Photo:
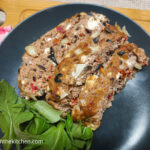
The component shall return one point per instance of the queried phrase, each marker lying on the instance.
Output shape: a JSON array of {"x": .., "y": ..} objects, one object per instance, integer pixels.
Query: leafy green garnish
[
  {"x": 37, "y": 120},
  {"x": 8, "y": 98},
  {"x": 47, "y": 111}
]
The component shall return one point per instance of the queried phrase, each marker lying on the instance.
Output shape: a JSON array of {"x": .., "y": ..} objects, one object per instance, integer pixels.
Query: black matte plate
[{"x": 126, "y": 125}]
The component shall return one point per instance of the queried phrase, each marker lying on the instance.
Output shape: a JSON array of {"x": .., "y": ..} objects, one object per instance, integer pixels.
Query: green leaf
[
  {"x": 81, "y": 132},
  {"x": 37, "y": 126},
  {"x": 88, "y": 144},
  {"x": 76, "y": 131},
  {"x": 55, "y": 138},
  {"x": 18, "y": 147},
  {"x": 79, "y": 143},
  {"x": 8, "y": 97},
  {"x": 74, "y": 148},
  {"x": 21, "y": 118},
  {"x": 87, "y": 133},
  {"x": 69, "y": 124},
  {"x": 48, "y": 111}
]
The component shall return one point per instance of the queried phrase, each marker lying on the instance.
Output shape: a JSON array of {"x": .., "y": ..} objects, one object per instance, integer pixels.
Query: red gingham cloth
[{"x": 4, "y": 32}]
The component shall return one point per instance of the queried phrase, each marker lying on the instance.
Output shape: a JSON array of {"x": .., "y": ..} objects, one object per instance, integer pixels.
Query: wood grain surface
[{"x": 17, "y": 10}]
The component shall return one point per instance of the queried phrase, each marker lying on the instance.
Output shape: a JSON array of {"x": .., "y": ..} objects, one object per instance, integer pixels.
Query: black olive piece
[
  {"x": 52, "y": 57},
  {"x": 112, "y": 79},
  {"x": 57, "y": 78},
  {"x": 56, "y": 96},
  {"x": 42, "y": 97},
  {"x": 108, "y": 40},
  {"x": 95, "y": 40},
  {"x": 88, "y": 68},
  {"x": 34, "y": 78},
  {"x": 110, "y": 52},
  {"x": 75, "y": 36},
  {"x": 62, "y": 46},
  {"x": 99, "y": 66},
  {"x": 121, "y": 53},
  {"x": 78, "y": 15},
  {"x": 104, "y": 23},
  {"x": 87, "y": 30},
  {"x": 41, "y": 67}
]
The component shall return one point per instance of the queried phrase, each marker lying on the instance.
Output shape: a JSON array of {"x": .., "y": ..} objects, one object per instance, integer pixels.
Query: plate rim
[{"x": 74, "y": 3}]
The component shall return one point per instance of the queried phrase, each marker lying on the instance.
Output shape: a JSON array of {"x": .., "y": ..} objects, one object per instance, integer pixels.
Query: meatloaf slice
[
  {"x": 121, "y": 67},
  {"x": 43, "y": 55}
]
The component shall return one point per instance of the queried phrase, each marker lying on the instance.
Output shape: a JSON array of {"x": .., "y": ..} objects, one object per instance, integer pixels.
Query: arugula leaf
[
  {"x": 47, "y": 111},
  {"x": 89, "y": 144},
  {"x": 37, "y": 126},
  {"x": 69, "y": 124},
  {"x": 79, "y": 143},
  {"x": 87, "y": 133},
  {"x": 81, "y": 132},
  {"x": 78, "y": 134},
  {"x": 54, "y": 138},
  {"x": 7, "y": 98},
  {"x": 76, "y": 131}
]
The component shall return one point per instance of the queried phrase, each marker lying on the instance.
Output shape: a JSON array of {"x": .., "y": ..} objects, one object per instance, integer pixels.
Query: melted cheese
[{"x": 92, "y": 24}]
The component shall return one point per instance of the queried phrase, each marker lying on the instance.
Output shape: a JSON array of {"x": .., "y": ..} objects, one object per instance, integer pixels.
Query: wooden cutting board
[{"x": 18, "y": 10}]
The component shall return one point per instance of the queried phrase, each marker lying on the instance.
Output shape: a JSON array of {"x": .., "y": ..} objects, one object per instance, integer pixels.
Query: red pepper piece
[
  {"x": 145, "y": 64},
  {"x": 34, "y": 79},
  {"x": 123, "y": 73},
  {"x": 85, "y": 45},
  {"x": 69, "y": 43},
  {"x": 110, "y": 95},
  {"x": 49, "y": 77},
  {"x": 119, "y": 39},
  {"x": 125, "y": 39},
  {"x": 31, "y": 84},
  {"x": 35, "y": 88},
  {"x": 74, "y": 101},
  {"x": 60, "y": 29}
]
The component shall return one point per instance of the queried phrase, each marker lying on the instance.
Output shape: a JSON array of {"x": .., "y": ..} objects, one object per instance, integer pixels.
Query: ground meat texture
[
  {"x": 43, "y": 55},
  {"x": 91, "y": 105},
  {"x": 75, "y": 66}
]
